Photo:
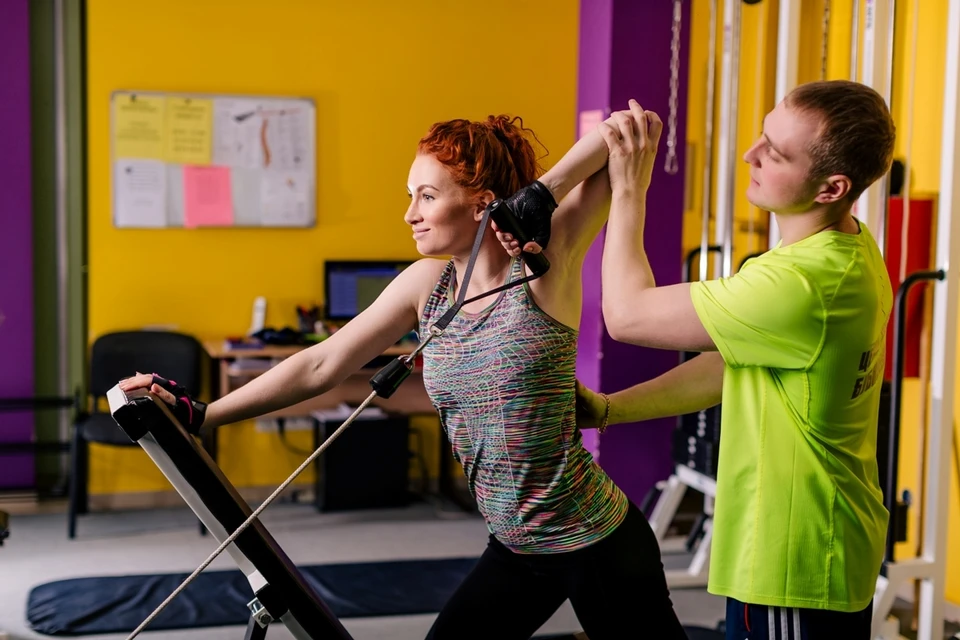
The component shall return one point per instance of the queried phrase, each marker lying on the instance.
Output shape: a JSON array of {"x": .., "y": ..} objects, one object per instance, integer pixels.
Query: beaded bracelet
[{"x": 606, "y": 413}]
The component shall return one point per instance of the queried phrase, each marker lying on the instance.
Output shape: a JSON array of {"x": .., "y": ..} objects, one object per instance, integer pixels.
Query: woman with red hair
[{"x": 502, "y": 376}]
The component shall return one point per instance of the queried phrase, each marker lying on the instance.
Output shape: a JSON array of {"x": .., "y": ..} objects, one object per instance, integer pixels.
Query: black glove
[
  {"x": 188, "y": 412},
  {"x": 532, "y": 206}
]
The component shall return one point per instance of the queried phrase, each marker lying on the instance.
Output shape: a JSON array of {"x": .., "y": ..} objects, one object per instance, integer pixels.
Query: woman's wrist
[{"x": 605, "y": 420}]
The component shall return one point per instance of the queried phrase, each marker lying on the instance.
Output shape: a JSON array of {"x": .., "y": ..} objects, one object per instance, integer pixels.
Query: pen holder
[{"x": 308, "y": 318}]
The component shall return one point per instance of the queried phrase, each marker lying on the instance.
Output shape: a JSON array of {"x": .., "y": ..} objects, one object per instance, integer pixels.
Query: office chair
[{"x": 115, "y": 356}]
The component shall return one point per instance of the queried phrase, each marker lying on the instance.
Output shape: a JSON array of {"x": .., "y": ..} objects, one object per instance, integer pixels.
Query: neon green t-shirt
[{"x": 799, "y": 518}]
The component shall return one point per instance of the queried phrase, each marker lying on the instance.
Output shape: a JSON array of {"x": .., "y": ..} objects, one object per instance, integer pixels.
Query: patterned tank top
[{"x": 504, "y": 384}]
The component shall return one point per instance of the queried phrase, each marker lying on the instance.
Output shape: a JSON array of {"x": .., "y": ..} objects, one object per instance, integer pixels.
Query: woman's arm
[
  {"x": 580, "y": 184},
  {"x": 586, "y": 157},
  {"x": 695, "y": 385},
  {"x": 318, "y": 369}
]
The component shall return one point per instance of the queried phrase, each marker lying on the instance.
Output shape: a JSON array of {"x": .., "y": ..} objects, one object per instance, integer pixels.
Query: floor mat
[{"x": 117, "y": 604}]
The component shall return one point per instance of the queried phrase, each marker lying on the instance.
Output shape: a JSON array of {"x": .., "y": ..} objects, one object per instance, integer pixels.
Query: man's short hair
[{"x": 856, "y": 134}]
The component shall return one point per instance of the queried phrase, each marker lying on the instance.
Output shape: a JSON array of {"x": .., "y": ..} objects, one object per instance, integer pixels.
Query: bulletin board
[{"x": 185, "y": 160}]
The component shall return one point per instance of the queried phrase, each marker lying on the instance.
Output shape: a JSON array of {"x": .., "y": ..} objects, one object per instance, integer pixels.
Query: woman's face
[{"x": 443, "y": 215}]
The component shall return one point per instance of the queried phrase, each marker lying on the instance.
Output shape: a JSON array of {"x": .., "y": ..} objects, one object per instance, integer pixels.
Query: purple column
[
  {"x": 625, "y": 53},
  {"x": 16, "y": 241}
]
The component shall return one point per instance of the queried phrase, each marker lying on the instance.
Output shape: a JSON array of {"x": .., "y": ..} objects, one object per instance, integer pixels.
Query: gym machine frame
[
  {"x": 281, "y": 593},
  {"x": 930, "y": 567}
]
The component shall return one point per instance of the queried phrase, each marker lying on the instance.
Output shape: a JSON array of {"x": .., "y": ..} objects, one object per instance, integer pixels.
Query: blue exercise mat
[{"x": 117, "y": 604}]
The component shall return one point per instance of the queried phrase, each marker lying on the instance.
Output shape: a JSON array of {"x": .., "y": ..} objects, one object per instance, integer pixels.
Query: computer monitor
[{"x": 352, "y": 285}]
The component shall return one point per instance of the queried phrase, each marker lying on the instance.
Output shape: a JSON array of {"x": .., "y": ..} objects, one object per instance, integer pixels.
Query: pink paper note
[
  {"x": 589, "y": 120},
  {"x": 207, "y": 201}
]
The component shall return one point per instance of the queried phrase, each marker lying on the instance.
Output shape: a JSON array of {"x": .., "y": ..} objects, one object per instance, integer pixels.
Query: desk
[{"x": 410, "y": 399}]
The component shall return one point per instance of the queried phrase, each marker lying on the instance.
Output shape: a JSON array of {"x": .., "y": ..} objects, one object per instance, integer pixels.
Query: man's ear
[
  {"x": 484, "y": 198},
  {"x": 834, "y": 189}
]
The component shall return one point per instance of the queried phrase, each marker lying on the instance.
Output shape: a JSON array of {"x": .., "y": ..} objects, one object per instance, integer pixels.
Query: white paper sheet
[
  {"x": 286, "y": 135},
  {"x": 237, "y": 133},
  {"x": 140, "y": 188},
  {"x": 284, "y": 198}
]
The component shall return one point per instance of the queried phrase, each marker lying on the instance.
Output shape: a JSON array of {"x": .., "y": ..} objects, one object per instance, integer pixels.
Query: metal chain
[
  {"x": 826, "y": 37},
  {"x": 671, "y": 164}
]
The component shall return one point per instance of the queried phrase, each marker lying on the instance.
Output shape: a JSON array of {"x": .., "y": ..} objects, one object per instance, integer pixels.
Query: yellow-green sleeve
[{"x": 766, "y": 315}]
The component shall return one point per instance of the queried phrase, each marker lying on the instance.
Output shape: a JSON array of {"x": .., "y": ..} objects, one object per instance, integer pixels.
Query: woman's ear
[{"x": 484, "y": 199}]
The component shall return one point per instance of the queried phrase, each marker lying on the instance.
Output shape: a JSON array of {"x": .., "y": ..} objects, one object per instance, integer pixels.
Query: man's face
[{"x": 780, "y": 163}]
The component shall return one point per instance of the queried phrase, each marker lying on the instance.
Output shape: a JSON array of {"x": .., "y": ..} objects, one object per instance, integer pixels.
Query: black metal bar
[
  {"x": 688, "y": 261},
  {"x": 896, "y": 384},
  {"x": 188, "y": 466}
]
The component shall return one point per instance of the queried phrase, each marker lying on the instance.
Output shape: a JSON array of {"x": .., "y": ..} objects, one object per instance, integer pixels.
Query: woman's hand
[
  {"x": 145, "y": 381},
  {"x": 511, "y": 245},
  {"x": 189, "y": 412},
  {"x": 591, "y": 408},
  {"x": 532, "y": 206},
  {"x": 632, "y": 139}
]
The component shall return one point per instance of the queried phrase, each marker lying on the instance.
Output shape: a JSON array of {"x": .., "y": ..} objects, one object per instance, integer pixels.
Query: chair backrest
[{"x": 119, "y": 355}]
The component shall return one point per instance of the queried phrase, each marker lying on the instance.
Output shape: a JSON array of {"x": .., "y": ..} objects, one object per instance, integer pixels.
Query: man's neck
[{"x": 797, "y": 227}]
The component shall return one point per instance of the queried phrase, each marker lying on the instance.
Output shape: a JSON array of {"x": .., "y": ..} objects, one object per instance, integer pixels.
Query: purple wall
[
  {"x": 16, "y": 240},
  {"x": 593, "y": 91},
  {"x": 625, "y": 53}
]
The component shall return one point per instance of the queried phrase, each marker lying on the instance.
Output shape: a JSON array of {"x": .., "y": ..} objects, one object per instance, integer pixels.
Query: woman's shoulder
[
  {"x": 426, "y": 271},
  {"x": 423, "y": 277}
]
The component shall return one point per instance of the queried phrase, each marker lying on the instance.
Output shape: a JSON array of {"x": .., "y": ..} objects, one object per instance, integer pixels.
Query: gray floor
[{"x": 167, "y": 541}]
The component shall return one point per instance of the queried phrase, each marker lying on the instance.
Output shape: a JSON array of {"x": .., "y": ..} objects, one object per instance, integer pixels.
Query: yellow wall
[
  {"x": 756, "y": 88},
  {"x": 379, "y": 80}
]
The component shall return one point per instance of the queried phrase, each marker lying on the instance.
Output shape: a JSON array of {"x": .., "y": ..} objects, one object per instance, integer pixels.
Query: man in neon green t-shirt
[{"x": 794, "y": 348}]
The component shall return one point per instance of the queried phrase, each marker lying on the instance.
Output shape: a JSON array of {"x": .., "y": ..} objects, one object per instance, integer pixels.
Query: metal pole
[
  {"x": 708, "y": 141},
  {"x": 788, "y": 55},
  {"x": 855, "y": 41},
  {"x": 727, "y": 165},
  {"x": 877, "y": 73},
  {"x": 944, "y": 340},
  {"x": 60, "y": 92}
]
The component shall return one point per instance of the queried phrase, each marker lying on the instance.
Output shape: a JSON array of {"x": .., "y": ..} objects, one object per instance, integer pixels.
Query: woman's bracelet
[{"x": 606, "y": 413}]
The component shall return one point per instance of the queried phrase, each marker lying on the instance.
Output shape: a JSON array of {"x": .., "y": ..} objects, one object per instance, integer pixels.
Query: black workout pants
[
  {"x": 617, "y": 588},
  {"x": 759, "y": 622}
]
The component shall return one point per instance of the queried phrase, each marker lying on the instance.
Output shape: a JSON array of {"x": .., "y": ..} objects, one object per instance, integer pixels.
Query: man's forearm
[
  {"x": 694, "y": 385},
  {"x": 625, "y": 270},
  {"x": 584, "y": 159}
]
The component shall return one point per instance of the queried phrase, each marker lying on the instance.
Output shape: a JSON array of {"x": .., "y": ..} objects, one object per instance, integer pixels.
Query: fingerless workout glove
[
  {"x": 188, "y": 412},
  {"x": 533, "y": 206}
]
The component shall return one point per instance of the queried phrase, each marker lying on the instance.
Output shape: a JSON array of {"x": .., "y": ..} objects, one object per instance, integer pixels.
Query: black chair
[{"x": 115, "y": 356}]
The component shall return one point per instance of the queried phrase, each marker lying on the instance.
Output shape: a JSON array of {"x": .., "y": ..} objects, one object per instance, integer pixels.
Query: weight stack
[
  {"x": 702, "y": 424},
  {"x": 696, "y": 441}
]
